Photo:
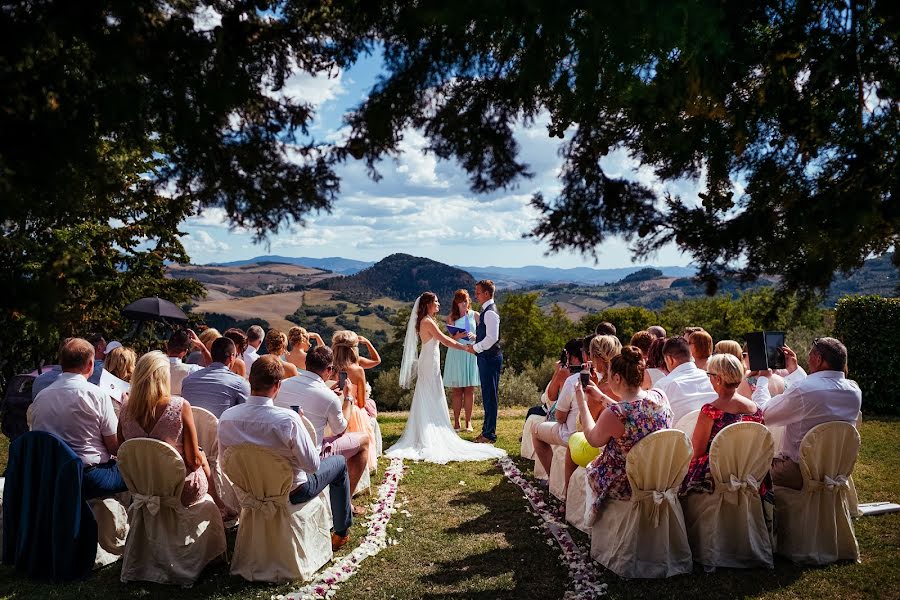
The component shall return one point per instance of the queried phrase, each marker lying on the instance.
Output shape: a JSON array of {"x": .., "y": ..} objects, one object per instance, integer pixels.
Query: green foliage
[
  {"x": 541, "y": 373},
  {"x": 388, "y": 394},
  {"x": 628, "y": 321},
  {"x": 517, "y": 389},
  {"x": 642, "y": 275},
  {"x": 527, "y": 334},
  {"x": 869, "y": 326}
]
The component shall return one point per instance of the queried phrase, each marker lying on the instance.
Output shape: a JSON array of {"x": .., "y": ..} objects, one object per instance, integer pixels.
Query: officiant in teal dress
[{"x": 461, "y": 368}]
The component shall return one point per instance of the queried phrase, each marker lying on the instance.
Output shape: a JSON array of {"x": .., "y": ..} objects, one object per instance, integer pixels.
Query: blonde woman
[
  {"x": 298, "y": 340},
  {"x": 120, "y": 362},
  {"x": 153, "y": 412},
  {"x": 701, "y": 344},
  {"x": 345, "y": 345},
  {"x": 276, "y": 345},
  {"x": 461, "y": 368},
  {"x": 207, "y": 337}
]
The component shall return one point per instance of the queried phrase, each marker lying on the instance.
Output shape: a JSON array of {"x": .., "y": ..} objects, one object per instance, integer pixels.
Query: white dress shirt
[
  {"x": 566, "y": 402},
  {"x": 177, "y": 372},
  {"x": 320, "y": 405},
  {"x": 809, "y": 400},
  {"x": 250, "y": 355},
  {"x": 80, "y": 413},
  {"x": 688, "y": 388},
  {"x": 491, "y": 328},
  {"x": 258, "y": 421}
]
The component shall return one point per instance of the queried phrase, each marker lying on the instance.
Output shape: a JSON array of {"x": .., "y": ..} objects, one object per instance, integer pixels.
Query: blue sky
[{"x": 422, "y": 206}]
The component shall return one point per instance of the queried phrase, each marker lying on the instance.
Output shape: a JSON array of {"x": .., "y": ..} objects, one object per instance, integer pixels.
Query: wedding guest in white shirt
[
  {"x": 255, "y": 335},
  {"x": 258, "y": 421},
  {"x": 687, "y": 387},
  {"x": 324, "y": 406},
  {"x": 82, "y": 415},
  {"x": 216, "y": 387},
  {"x": 177, "y": 347},
  {"x": 809, "y": 400}
]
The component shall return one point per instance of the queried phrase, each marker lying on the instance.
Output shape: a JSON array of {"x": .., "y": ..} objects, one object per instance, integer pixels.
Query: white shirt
[
  {"x": 177, "y": 372},
  {"x": 809, "y": 401},
  {"x": 491, "y": 328},
  {"x": 250, "y": 355},
  {"x": 688, "y": 388},
  {"x": 258, "y": 421},
  {"x": 80, "y": 413},
  {"x": 320, "y": 405},
  {"x": 566, "y": 402}
]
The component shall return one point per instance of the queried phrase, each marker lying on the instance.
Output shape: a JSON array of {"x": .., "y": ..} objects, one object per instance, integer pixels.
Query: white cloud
[
  {"x": 314, "y": 88},
  {"x": 206, "y": 18},
  {"x": 202, "y": 243},
  {"x": 416, "y": 165}
]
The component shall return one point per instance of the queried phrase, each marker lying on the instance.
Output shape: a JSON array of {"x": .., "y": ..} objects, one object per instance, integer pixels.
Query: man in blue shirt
[{"x": 216, "y": 388}]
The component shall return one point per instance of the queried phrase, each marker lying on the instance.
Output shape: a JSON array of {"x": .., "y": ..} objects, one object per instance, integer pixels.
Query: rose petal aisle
[
  {"x": 326, "y": 584},
  {"x": 580, "y": 565}
]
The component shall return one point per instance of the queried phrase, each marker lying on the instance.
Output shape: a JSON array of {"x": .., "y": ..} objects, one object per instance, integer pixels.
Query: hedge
[{"x": 870, "y": 326}]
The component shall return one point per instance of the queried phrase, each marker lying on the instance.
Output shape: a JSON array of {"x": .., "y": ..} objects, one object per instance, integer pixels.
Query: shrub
[
  {"x": 800, "y": 340},
  {"x": 869, "y": 326},
  {"x": 517, "y": 389},
  {"x": 388, "y": 394},
  {"x": 628, "y": 320},
  {"x": 541, "y": 373}
]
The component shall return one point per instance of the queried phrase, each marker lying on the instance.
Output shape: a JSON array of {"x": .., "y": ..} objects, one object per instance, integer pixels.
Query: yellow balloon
[{"x": 582, "y": 452}]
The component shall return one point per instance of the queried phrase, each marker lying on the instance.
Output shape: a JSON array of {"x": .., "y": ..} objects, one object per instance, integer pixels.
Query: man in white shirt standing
[
  {"x": 686, "y": 386},
  {"x": 323, "y": 407},
  {"x": 490, "y": 358},
  {"x": 82, "y": 415},
  {"x": 255, "y": 337},
  {"x": 809, "y": 400},
  {"x": 258, "y": 421},
  {"x": 180, "y": 342}
]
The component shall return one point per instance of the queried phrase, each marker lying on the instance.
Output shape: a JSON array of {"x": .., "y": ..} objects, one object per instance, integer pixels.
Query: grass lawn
[{"x": 469, "y": 536}]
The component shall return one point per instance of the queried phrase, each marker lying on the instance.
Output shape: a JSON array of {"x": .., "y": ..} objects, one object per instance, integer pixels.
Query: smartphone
[
  {"x": 342, "y": 380},
  {"x": 563, "y": 358},
  {"x": 585, "y": 378}
]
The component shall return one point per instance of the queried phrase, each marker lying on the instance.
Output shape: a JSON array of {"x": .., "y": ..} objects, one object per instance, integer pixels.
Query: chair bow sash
[
  {"x": 658, "y": 497},
  {"x": 840, "y": 481},
  {"x": 749, "y": 485},
  {"x": 150, "y": 502},
  {"x": 267, "y": 505}
]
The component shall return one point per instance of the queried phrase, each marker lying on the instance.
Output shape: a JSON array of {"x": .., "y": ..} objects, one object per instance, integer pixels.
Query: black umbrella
[{"x": 154, "y": 309}]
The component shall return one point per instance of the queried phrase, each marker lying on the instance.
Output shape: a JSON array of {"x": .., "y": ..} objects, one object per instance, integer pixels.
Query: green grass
[{"x": 476, "y": 540}]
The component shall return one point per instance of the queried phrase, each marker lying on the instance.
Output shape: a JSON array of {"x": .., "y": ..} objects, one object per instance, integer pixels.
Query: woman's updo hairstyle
[
  {"x": 629, "y": 365},
  {"x": 297, "y": 336}
]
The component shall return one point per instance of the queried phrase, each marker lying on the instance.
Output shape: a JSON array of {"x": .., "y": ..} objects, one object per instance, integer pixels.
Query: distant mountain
[
  {"x": 336, "y": 264},
  {"x": 511, "y": 277},
  {"x": 402, "y": 277}
]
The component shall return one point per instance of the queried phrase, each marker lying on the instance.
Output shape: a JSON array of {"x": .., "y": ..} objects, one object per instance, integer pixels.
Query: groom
[{"x": 490, "y": 358}]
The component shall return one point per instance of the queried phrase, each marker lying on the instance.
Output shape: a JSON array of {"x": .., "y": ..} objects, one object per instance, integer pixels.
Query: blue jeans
[
  {"x": 332, "y": 471},
  {"x": 489, "y": 368},
  {"x": 102, "y": 480}
]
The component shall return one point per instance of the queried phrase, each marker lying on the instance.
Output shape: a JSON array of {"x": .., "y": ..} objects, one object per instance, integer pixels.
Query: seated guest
[
  {"x": 725, "y": 372},
  {"x": 198, "y": 357},
  {"x": 119, "y": 362},
  {"x": 345, "y": 345},
  {"x": 656, "y": 363},
  {"x": 824, "y": 395},
  {"x": 46, "y": 378},
  {"x": 255, "y": 335},
  {"x": 686, "y": 387},
  {"x": 177, "y": 347},
  {"x": 729, "y": 347},
  {"x": 82, "y": 415},
  {"x": 258, "y": 421},
  {"x": 657, "y": 331},
  {"x": 551, "y": 392},
  {"x": 701, "y": 345},
  {"x": 686, "y": 334},
  {"x": 776, "y": 383},
  {"x": 298, "y": 340},
  {"x": 563, "y": 418},
  {"x": 642, "y": 340},
  {"x": 153, "y": 412},
  {"x": 216, "y": 387},
  {"x": 605, "y": 328},
  {"x": 622, "y": 425},
  {"x": 239, "y": 338},
  {"x": 276, "y": 345},
  {"x": 323, "y": 406}
]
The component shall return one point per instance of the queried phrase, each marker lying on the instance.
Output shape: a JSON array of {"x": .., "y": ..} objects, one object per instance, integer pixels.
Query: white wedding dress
[{"x": 428, "y": 435}]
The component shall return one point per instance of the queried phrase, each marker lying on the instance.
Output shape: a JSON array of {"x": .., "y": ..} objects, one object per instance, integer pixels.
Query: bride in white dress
[{"x": 428, "y": 435}]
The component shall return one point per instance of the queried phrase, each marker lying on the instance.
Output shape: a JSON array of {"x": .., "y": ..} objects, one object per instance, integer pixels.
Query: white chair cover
[
  {"x": 728, "y": 528},
  {"x": 813, "y": 525},
  {"x": 167, "y": 542},
  {"x": 365, "y": 480},
  {"x": 558, "y": 472},
  {"x": 777, "y": 432},
  {"x": 580, "y": 502},
  {"x": 527, "y": 447},
  {"x": 379, "y": 443},
  {"x": 277, "y": 541},
  {"x": 645, "y": 537},
  {"x": 112, "y": 527},
  {"x": 208, "y": 437},
  {"x": 687, "y": 423}
]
